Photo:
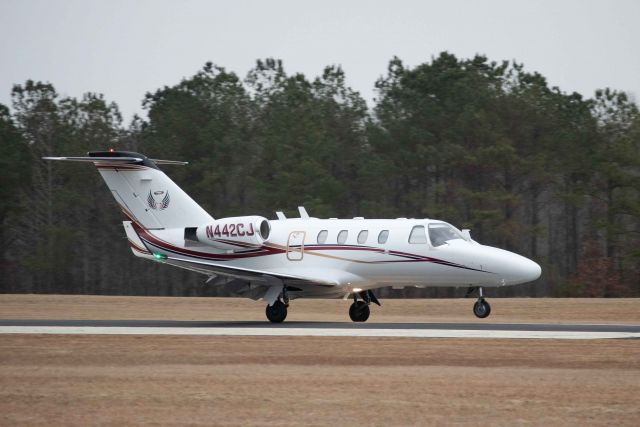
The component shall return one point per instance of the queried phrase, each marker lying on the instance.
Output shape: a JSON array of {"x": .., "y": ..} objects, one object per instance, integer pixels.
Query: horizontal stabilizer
[
  {"x": 124, "y": 160},
  {"x": 169, "y": 162},
  {"x": 98, "y": 159}
]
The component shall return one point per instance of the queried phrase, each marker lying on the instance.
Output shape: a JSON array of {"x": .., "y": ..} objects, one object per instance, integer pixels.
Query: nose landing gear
[{"x": 481, "y": 308}]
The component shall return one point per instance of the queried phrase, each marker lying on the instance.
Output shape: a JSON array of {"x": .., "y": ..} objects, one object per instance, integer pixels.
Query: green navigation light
[{"x": 159, "y": 256}]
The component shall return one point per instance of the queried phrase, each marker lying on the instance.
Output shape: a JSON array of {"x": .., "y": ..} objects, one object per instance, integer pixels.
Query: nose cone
[
  {"x": 510, "y": 268},
  {"x": 519, "y": 269},
  {"x": 529, "y": 271}
]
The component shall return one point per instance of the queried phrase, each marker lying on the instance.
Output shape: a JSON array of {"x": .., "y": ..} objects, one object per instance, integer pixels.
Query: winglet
[{"x": 303, "y": 212}]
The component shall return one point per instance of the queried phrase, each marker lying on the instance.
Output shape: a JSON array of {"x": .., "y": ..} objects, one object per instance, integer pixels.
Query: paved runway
[{"x": 334, "y": 329}]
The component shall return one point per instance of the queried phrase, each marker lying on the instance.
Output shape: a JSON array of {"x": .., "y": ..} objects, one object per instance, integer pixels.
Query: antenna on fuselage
[{"x": 303, "y": 212}]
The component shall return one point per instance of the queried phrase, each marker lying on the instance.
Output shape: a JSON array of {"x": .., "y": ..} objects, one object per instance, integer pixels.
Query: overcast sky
[{"x": 124, "y": 49}]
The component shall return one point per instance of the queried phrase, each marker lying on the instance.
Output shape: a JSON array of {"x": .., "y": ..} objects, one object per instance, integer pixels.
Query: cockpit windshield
[{"x": 440, "y": 233}]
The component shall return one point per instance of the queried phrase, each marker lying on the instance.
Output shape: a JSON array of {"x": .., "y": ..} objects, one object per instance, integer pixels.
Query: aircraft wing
[{"x": 326, "y": 278}]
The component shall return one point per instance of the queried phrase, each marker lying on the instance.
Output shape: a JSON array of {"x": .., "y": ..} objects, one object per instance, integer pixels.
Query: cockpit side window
[
  {"x": 441, "y": 233},
  {"x": 418, "y": 235}
]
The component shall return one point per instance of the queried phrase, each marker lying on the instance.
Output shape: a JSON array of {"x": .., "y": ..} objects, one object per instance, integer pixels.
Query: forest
[{"x": 482, "y": 144}]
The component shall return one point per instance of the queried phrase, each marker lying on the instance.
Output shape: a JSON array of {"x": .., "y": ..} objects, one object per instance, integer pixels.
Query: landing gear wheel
[
  {"x": 277, "y": 312},
  {"x": 481, "y": 309},
  {"x": 359, "y": 311}
]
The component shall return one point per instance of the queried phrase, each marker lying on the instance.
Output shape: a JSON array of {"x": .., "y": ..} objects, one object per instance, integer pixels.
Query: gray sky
[{"x": 124, "y": 49}]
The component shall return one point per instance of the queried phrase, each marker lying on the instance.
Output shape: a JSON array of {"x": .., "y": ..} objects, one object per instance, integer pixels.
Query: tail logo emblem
[{"x": 158, "y": 206}]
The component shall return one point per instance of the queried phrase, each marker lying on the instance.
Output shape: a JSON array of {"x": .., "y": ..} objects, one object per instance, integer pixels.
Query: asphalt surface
[{"x": 530, "y": 327}]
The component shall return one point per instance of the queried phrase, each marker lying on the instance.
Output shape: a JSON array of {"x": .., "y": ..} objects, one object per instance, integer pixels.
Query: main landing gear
[
  {"x": 277, "y": 312},
  {"x": 359, "y": 310},
  {"x": 481, "y": 308}
]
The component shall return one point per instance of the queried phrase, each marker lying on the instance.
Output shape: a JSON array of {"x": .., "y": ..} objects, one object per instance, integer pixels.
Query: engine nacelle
[{"x": 235, "y": 232}]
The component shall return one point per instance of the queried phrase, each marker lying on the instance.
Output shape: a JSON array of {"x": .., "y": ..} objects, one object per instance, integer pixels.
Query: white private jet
[{"x": 280, "y": 260}]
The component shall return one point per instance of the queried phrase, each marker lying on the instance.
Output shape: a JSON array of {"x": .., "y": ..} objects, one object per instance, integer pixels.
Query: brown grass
[
  {"x": 505, "y": 310},
  {"x": 191, "y": 380},
  {"x": 116, "y": 380}
]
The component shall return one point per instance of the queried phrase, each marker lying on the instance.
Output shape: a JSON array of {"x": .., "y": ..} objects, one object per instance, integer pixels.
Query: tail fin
[{"x": 144, "y": 192}]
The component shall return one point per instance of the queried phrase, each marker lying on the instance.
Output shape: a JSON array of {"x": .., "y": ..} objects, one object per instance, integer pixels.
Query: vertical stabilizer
[{"x": 146, "y": 194}]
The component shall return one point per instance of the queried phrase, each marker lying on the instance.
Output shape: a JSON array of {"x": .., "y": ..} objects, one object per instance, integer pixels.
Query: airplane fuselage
[{"x": 356, "y": 254}]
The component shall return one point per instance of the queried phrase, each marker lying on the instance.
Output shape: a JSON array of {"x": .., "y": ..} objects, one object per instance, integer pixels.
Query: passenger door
[{"x": 295, "y": 246}]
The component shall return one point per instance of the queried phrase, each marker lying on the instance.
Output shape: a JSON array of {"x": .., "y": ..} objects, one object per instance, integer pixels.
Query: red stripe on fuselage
[{"x": 265, "y": 250}]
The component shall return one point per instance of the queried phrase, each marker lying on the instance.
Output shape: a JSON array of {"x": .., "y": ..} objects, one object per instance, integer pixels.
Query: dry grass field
[
  {"x": 191, "y": 380},
  {"x": 504, "y": 310}
]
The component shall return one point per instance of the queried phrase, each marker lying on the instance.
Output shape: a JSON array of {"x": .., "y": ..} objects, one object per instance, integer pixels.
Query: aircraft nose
[
  {"x": 521, "y": 270},
  {"x": 529, "y": 270},
  {"x": 511, "y": 268}
]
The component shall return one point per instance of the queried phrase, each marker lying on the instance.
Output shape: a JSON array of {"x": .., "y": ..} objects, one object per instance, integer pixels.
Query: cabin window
[
  {"x": 418, "y": 235},
  {"x": 441, "y": 233},
  {"x": 342, "y": 237},
  {"x": 322, "y": 236},
  {"x": 362, "y": 236},
  {"x": 383, "y": 236}
]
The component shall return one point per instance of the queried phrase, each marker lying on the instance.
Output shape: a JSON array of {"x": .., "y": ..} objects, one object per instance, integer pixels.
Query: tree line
[{"x": 481, "y": 144}]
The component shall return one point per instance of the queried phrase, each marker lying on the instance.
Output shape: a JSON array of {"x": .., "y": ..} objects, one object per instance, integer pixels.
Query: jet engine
[{"x": 232, "y": 233}]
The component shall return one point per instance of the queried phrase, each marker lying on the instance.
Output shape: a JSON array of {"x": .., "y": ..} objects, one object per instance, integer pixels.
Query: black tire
[
  {"x": 359, "y": 311},
  {"x": 277, "y": 312},
  {"x": 481, "y": 309}
]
